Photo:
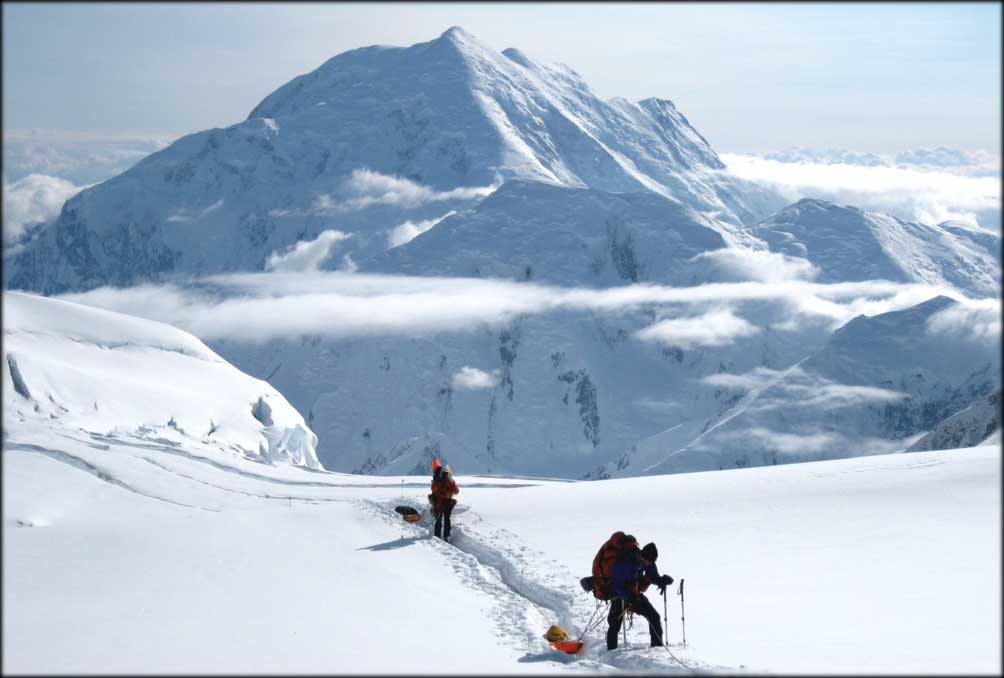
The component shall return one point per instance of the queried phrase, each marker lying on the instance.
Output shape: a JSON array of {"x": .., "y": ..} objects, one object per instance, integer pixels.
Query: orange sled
[{"x": 569, "y": 646}]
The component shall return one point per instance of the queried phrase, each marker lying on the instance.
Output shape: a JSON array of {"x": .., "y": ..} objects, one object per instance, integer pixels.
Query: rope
[{"x": 590, "y": 625}]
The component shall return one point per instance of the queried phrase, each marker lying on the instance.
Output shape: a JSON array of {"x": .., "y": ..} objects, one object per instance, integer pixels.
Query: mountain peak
[{"x": 455, "y": 33}]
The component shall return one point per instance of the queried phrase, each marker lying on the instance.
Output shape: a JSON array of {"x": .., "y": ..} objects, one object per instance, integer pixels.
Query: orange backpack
[{"x": 603, "y": 563}]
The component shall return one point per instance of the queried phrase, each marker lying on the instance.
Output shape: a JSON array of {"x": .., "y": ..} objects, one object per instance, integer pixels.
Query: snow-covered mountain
[
  {"x": 846, "y": 243},
  {"x": 447, "y": 158},
  {"x": 975, "y": 425},
  {"x": 372, "y": 138},
  {"x": 115, "y": 377},
  {"x": 876, "y": 383},
  {"x": 567, "y": 236}
]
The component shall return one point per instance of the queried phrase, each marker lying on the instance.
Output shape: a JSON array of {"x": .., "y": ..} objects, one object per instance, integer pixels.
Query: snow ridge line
[{"x": 95, "y": 471}]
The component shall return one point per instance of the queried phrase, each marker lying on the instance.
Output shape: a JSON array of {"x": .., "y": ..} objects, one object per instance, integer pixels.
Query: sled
[
  {"x": 561, "y": 641},
  {"x": 568, "y": 646},
  {"x": 408, "y": 513}
]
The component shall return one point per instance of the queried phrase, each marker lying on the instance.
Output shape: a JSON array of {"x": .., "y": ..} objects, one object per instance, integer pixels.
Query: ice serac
[
  {"x": 875, "y": 386},
  {"x": 846, "y": 244},
  {"x": 412, "y": 129},
  {"x": 970, "y": 427},
  {"x": 72, "y": 366}
]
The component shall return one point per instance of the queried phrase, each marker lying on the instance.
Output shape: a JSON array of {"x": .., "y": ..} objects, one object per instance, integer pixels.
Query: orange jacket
[{"x": 443, "y": 489}]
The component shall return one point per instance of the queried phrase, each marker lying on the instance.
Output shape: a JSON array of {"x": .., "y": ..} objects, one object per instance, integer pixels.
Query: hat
[
  {"x": 436, "y": 464},
  {"x": 650, "y": 552}
]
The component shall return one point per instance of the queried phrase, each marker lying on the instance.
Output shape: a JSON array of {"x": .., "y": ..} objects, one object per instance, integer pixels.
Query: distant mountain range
[{"x": 448, "y": 158}]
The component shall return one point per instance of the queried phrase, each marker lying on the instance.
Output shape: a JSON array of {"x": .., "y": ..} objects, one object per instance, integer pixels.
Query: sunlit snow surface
[{"x": 125, "y": 553}]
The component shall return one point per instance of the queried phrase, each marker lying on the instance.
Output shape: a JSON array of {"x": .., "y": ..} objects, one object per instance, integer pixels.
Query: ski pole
[{"x": 683, "y": 614}]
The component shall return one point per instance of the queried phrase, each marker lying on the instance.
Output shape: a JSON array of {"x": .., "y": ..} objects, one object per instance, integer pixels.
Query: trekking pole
[
  {"x": 665, "y": 618},
  {"x": 683, "y": 614}
]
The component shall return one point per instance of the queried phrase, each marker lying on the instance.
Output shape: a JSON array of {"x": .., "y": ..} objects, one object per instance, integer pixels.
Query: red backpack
[{"x": 603, "y": 563}]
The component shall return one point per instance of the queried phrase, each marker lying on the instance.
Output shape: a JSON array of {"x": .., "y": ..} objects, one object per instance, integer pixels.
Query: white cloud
[
  {"x": 754, "y": 379},
  {"x": 261, "y": 306},
  {"x": 366, "y": 188},
  {"x": 307, "y": 255},
  {"x": 473, "y": 379},
  {"x": 715, "y": 328},
  {"x": 737, "y": 264},
  {"x": 927, "y": 196},
  {"x": 794, "y": 443},
  {"x": 976, "y": 321},
  {"x": 35, "y": 198},
  {"x": 410, "y": 230}
]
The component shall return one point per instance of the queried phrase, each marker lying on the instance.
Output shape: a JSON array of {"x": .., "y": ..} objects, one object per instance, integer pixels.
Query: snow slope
[
  {"x": 558, "y": 235},
  {"x": 846, "y": 243},
  {"x": 130, "y": 554},
  {"x": 980, "y": 423},
  {"x": 75, "y": 367}
]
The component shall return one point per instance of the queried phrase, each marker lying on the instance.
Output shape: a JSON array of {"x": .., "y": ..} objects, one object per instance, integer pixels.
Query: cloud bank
[
  {"x": 263, "y": 306},
  {"x": 33, "y": 199},
  {"x": 77, "y": 157},
  {"x": 922, "y": 195}
]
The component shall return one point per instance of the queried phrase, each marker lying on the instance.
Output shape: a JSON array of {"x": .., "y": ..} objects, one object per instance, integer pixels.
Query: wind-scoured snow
[{"x": 74, "y": 367}]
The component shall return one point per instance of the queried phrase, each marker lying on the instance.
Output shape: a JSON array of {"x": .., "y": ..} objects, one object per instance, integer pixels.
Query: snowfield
[{"x": 128, "y": 553}]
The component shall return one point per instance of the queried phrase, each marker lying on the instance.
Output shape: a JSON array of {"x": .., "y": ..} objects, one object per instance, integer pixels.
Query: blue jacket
[{"x": 628, "y": 572}]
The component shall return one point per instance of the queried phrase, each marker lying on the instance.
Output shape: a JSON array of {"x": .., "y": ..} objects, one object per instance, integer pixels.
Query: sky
[{"x": 751, "y": 77}]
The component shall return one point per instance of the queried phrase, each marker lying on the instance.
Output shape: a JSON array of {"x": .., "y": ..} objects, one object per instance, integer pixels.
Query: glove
[{"x": 664, "y": 581}]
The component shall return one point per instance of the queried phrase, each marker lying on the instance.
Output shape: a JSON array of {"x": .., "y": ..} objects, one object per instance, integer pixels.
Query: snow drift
[{"x": 79, "y": 367}]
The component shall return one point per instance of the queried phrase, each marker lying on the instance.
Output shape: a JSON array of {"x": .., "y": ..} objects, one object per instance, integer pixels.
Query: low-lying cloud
[
  {"x": 263, "y": 306},
  {"x": 365, "y": 188},
  {"x": 305, "y": 256},
  {"x": 924, "y": 195},
  {"x": 75, "y": 156},
  {"x": 737, "y": 264},
  {"x": 33, "y": 199},
  {"x": 715, "y": 328}
]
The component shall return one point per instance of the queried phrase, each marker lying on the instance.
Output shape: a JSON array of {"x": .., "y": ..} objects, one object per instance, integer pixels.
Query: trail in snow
[{"x": 532, "y": 594}]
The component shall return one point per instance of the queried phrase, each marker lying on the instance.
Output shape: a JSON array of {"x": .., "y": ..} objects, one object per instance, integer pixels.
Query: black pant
[
  {"x": 443, "y": 518},
  {"x": 641, "y": 606}
]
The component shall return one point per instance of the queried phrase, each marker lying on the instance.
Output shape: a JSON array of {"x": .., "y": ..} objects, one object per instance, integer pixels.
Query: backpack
[{"x": 603, "y": 564}]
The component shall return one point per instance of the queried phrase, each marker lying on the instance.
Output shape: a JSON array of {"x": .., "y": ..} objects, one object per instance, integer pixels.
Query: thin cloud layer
[
  {"x": 307, "y": 255},
  {"x": 74, "y": 156},
  {"x": 366, "y": 188},
  {"x": 263, "y": 306},
  {"x": 927, "y": 196}
]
